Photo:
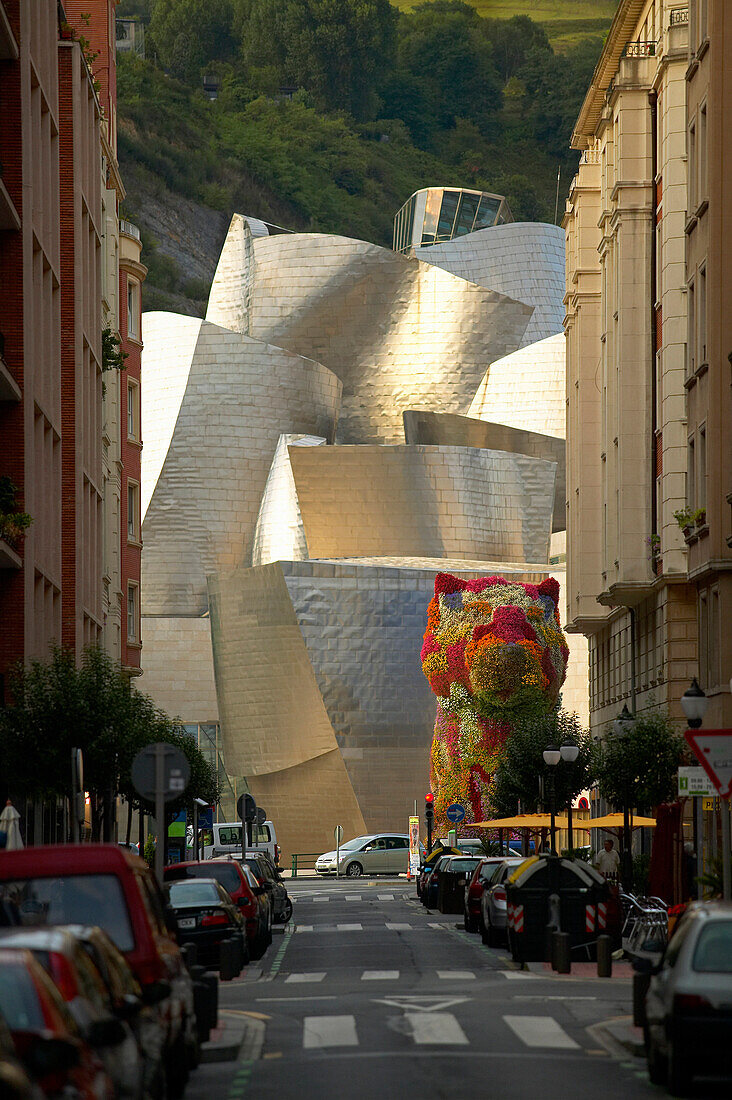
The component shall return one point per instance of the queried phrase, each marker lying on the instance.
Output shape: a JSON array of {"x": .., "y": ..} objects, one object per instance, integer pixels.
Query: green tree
[
  {"x": 638, "y": 768},
  {"x": 337, "y": 50},
  {"x": 188, "y": 34},
  {"x": 517, "y": 777}
]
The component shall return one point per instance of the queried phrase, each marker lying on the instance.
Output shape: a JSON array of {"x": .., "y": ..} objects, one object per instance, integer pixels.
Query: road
[{"x": 366, "y": 994}]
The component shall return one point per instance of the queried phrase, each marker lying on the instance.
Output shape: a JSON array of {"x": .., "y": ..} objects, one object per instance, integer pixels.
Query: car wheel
[
  {"x": 679, "y": 1073},
  {"x": 354, "y": 870},
  {"x": 470, "y": 924},
  {"x": 287, "y": 911},
  {"x": 656, "y": 1063}
]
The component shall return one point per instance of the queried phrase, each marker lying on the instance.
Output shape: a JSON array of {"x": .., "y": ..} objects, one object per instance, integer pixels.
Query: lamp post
[
  {"x": 694, "y": 704},
  {"x": 552, "y": 755},
  {"x": 622, "y": 727},
  {"x": 569, "y": 752}
]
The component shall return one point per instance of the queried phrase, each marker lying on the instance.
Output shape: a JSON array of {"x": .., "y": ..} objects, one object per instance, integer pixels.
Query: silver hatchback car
[
  {"x": 376, "y": 854},
  {"x": 688, "y": 1029}
]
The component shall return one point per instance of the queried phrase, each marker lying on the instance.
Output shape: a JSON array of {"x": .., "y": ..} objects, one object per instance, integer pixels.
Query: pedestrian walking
[{"x": 608, "y": 860}]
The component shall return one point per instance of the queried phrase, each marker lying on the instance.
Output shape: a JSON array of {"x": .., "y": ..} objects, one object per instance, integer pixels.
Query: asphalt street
[{"x": 368, "y": 994}]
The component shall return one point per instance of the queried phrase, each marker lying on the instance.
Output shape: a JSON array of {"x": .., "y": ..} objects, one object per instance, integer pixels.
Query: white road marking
[
  {"x": 541, "y": 1031},
  {"x": 385, "y": 897},
  {"x": 436, "y": 1029},
  {"x": 329, "y": 1031},
  {"x": 303, "y": 927},
  {"x": 512, "y": 975},
  {"x": 353, "y": 897},
  {"x": 456, "y": 975},
  {"x": 399, "y": 927},
  {"x": 379, "y": 975},
  {"x": 349, "y": 927},
  {"x": 410, "y": 1003},
  {"x": 314, "y": 976},
  {"x": 434, "y": 924}
]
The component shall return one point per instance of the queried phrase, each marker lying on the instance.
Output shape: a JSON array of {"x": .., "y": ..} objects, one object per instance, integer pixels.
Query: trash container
[
  {"x": 451, "y": 884},
  {"x": 552, "y": 889}
]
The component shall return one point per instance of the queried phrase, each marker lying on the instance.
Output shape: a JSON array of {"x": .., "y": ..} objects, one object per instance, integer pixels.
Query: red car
[
  {"x": 104, "y": 885},
  {"x": 45, "y": 1034},
  {"x": 244, "y": 890},
  {"x": 474, "y": 892}
]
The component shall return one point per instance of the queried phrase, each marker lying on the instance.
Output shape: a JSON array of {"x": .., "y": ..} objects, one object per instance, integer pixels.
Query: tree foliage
[
  {"x": 638, "y": 769},
  {"x": 522, "y": 766},
  {"x": 58, "y": 706}
]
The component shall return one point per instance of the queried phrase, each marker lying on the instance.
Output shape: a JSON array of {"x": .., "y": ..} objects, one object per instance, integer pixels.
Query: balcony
[
  {"x": 679, "y": 17},
  {"x": 129, "y": 229},
  {"x": 640, "y": 49}
]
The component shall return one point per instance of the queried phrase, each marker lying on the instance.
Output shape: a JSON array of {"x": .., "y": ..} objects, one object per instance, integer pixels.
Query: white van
[{"x": 224, "y": 839}]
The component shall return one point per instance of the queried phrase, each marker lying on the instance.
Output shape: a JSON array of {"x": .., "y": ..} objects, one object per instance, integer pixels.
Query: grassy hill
[{"x": 566, "y": 22}]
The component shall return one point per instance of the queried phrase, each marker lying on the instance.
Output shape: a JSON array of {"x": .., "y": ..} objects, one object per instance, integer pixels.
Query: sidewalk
[{"x": 237, "y": 1036}]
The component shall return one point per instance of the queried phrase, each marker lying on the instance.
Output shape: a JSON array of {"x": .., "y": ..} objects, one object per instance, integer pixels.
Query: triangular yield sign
[
  {"x": 421, "y": 1004},
  {"x": 713, "y": 750}
]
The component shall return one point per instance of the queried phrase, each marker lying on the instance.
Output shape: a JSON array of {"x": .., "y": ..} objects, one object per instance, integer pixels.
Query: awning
[
  {"x": 615, "y": 821},
  {"x": 523, "y": 821}
]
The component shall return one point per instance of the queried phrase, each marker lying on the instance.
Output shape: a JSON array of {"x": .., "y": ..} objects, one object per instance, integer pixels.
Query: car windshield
[
  {"x": 73, "y": 899},
  {"x": 18, "y": 996},
  {"x": 713, "y": 952},
  {"x": 359, "y": 842},
  {"x": 462, "y": 865},
  {"x": 193, "y": 893},
  {"x": 224, "y": 873}
]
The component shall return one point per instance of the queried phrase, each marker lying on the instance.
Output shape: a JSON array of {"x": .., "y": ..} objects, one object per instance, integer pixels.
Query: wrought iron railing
[
  {"x": 679, "y": 16},
  {"x": 640, "y": 49},
  {"x": 129, "y": 228}
]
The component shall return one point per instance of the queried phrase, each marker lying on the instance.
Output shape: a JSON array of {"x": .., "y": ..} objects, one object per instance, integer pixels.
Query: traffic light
[{"x": 429, "y": 807}]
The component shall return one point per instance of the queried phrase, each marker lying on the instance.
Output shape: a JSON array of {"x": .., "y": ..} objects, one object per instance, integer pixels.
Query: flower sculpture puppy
[{"x": 493, "y": 653}]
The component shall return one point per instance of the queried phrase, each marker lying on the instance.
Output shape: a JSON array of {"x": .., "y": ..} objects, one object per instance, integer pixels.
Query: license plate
[{"x": 187, "y": 922}]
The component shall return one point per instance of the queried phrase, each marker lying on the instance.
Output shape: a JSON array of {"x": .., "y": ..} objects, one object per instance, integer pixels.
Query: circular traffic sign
[
  {"x": 261, "y": 815},
  {"x": 246, "y": 807},
  {"x": 338, "y": 833},
  {"x": 455, "y": 813},
  {"x": 174, "y": 772}
]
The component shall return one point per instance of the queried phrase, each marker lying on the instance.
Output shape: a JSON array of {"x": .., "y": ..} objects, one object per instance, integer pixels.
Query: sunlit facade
[{"x": 437, "y": 214}]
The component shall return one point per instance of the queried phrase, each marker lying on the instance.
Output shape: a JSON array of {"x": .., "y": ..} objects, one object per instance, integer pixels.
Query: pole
[
  {"x": 627, "y": 858},
  {"x": 195, "y": 830},
  {"x": 74, "y": 800},
  {"x": 726, "y": 876},
  {"x": 556, "y": 203},
  {"x": 570, "y": 838},
  {"x": 338, "y": 853},
  {"x": 160, "y": 809},
  {"x": 553, "y": 829},
  {"x": 699, "y": 821}
]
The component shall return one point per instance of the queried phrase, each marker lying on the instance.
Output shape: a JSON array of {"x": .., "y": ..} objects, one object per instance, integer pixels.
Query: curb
[
  {"x": 244, "y": 1040},
  {"x": 618, "y": 1037}
]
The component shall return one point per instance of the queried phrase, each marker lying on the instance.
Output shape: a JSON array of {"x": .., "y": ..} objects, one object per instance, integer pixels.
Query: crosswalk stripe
[
  {"x": 353, "y": 897},
  {"x": 385, "y": 897},
  {"x": 399, "y": 927},
  {"x": 512, "y": 975},
  {"x": 436, "y": 1029},
  {"x": 329, "y": 1031},
  {"x": 314, "y": 976},
  {"x": 379, "y": 975},
  {"x": 456, "y": 975},
  {"x": 304, "y": 927},
  {"x": 349, "y": 927},
  {"x": 540, "y": 1031},
  {"x": 435, "y": 924}
]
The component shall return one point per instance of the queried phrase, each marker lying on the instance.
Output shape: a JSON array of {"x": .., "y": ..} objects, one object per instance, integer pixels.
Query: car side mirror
[
  {"x": 155, "y": 992},
  {"x": 109, "y": 1032}
]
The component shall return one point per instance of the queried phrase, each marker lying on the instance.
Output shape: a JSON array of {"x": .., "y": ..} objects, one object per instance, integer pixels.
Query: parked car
[
  {"x": 243, "y": 888},
  {"x": 105, "y": 885},
  {"x": 15, "y": 1082},
  {"x": 493, "y": 904},
  {"x": 268, "y": 876},
  {"x": 375, "y": 854},
  {"x": 429, "y": 895},
  {"x": 81, "y": 986},
  {"x": 209, "y": 919},
  {"x": 126, "y": 999},
  {"x": 452, "y": 879},
  {"x": 474, "y": 891},
  {"x": 223, "y": 838},
  {"x": 45, "y": 1034},
  {"x": 688, "y": 1008}
]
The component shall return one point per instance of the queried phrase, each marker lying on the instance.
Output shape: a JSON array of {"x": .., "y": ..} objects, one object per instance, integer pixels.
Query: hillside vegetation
[{"x": 329, "y": 114}]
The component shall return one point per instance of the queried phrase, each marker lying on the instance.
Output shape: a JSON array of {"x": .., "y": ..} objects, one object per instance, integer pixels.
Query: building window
[
  {"x": 133, "y": 309},
  {"x": 701, "y": 495},
  {"x": 691, "y": 331},
  {"x": 692, "y": 167},
  {"x": 691, "y": 476},
  {"x": 701, "y": 319},
  {"x": 133, "y": 511},
  {"x": 133, "y": 613},
  {"x": 702, "y": 153},
  {"x": 133, "y": 411}
]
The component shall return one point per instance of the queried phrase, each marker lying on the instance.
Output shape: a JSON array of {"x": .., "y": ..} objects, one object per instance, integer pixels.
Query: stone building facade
[{"x": 627, "y": 368}]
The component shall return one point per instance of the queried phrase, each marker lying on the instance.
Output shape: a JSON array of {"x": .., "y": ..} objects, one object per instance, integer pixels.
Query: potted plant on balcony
[
  {"x": 700, "y": 517},
  {"x": 13, "y": 522},
  {"x": 685, "y": 518}
]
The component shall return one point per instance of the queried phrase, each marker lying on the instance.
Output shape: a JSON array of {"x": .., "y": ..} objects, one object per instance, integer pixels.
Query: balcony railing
[
  {"x": 640, "y": 49},
  {"x": 129, "y": 228},
  {"x": 679, "y": 17}
]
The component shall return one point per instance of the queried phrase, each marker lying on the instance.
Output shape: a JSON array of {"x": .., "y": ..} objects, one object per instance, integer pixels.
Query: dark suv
[
  {"x": 248, "y": 894},
  {"x": 268, "y": 876}
]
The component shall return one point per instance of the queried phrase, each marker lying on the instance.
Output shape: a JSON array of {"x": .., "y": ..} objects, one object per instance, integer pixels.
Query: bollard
[
  {"x": 549, "y": 944},
  {"x": 562, "y": 960},
  {"x": 641, "y": 984},
  {"x": 229, "y": 952},
  {"x": 604, "y": 957},
  {"x": 294, "y": 866}
]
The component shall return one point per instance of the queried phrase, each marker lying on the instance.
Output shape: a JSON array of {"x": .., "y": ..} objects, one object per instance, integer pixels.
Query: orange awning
[
  {"x": 523, "y": 821},
  {"x": 615, "y": 821}
]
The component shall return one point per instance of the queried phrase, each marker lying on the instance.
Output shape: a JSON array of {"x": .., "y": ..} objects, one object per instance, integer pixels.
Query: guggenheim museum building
[{"x": 347, "y": 421}]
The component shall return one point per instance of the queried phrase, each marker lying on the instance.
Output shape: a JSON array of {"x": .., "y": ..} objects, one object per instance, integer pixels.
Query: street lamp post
[
  {"x": 552, "y": 755},
  {"x": 569, "y": 752},
  {"x": 622, "y": 726}
]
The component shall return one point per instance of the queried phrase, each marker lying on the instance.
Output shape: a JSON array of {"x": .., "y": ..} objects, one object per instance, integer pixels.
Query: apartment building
[
  {"x": 626, "y": 326},
  {"x": 709, "y": 344}
]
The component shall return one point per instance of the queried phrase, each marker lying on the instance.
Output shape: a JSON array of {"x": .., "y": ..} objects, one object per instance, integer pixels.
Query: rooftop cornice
[{"x": 618, "y": 37}]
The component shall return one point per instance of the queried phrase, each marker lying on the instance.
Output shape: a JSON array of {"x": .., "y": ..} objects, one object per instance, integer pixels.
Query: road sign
[
  {"x": 694, "y": 781},
  {"x": 246, "y": 808},
  {"x": 455, "y": 813},
  {"x": 175, "y": 772},
  {"x": 261, "y": 815},
  {"x": 338, "y": 834},
  {"x": 713, "y": 750}
]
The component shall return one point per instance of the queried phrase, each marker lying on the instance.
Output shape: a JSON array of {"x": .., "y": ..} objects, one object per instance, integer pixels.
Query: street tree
[
  {"x": 638, "y": 768},
  {"x": 517, "y": 780}
]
